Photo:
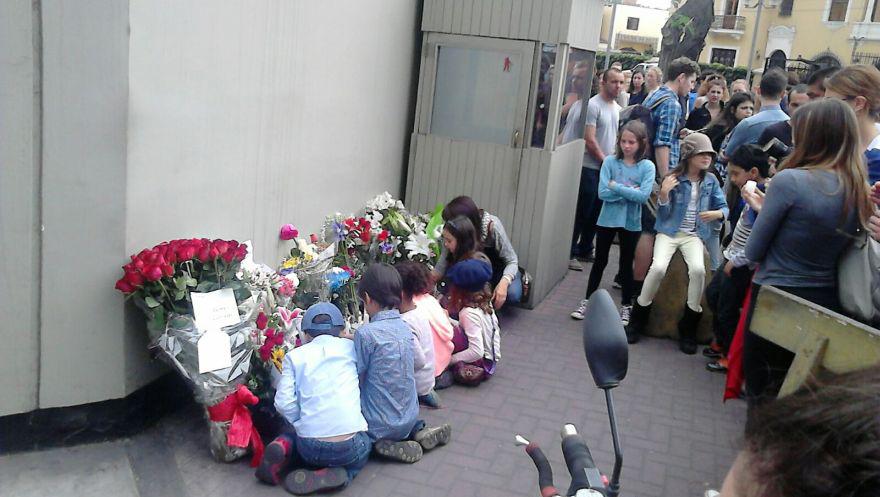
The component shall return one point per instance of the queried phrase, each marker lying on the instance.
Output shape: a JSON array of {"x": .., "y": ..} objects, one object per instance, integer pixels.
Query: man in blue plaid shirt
[{"x": 667, "y": 112}]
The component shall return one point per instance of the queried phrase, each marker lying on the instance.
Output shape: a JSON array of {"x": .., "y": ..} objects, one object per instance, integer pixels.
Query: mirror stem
[{"x": 614, "y": 485}]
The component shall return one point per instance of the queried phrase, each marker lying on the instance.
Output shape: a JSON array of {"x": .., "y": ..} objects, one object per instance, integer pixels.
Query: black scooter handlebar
[
  {"x": 545, "y": 473},
  {"x": 584, "y": 474}
]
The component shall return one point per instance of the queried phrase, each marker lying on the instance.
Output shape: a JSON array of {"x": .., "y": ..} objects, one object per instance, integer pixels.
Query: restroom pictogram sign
[{"x": 507, "y": 64}]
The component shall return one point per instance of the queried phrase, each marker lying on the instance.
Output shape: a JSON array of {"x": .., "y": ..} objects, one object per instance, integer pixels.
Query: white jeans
[{"x": 691, "y": 248}]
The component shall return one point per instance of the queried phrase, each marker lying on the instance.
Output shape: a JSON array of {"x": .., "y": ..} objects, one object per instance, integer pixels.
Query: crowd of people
[
  {"x": 344, "y": 396},
  {"x": 753, "y": 189}
]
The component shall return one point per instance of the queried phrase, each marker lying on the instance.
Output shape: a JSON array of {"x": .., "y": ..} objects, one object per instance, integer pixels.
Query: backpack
[{"x": 642, "y": 114}]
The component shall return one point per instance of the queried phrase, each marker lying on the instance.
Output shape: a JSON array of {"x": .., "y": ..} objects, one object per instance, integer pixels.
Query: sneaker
[
  {"x": 719, "y": 366},
  {"x": 433, "y": 436},
  {"x": 580, "y": 311},
  {"x": 309, "y": 481},
  {"x": 407, "y": 451},
  {"x": 625, "y": 311},
  {"x": 575, "y": 265},
  {"x": 712, "y": 493},
  {"x": 712, "y": 353},
  {"x": 275, "y": 458},
  {"x": 430, "y": 399}
]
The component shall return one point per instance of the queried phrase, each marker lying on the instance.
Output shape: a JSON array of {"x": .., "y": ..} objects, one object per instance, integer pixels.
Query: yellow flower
[
  {"x": 276, "y": 358},
  {"x": 291, "y": 263}
]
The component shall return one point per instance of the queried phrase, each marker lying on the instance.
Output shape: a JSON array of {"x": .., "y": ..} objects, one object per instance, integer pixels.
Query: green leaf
[
  {"x": 190, "y": 281},
  {"x": 180, "y": 282},
  {"x": 432, "y": 230},
  {"x": 179, "y": 294},
  {"x": 151, "y": 302}
]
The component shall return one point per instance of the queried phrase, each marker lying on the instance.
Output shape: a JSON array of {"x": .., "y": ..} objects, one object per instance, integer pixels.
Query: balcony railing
[{"x": 729, "y": 23}]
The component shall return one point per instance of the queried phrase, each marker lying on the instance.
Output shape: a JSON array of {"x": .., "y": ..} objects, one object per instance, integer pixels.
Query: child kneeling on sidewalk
[
  {"x": 318, "y": 395},
  {"x": 385, "y": 364},
  {"x": 688, "y": 202},
  {"x": 478, "y": 338}
]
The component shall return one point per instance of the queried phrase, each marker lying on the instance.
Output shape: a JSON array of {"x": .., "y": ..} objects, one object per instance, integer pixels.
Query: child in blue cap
[
  {"x": 319, "y": 397},
  {"x": 478, "y": 338}
]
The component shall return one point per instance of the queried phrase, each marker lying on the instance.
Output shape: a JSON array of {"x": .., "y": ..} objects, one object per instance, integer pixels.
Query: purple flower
[
  {"x": 386, "y": 247},
  {"x": 338, "y": 230}
]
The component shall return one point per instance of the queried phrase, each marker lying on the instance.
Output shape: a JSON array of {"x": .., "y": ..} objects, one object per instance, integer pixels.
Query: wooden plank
[
  {"x": 807, "y": 362},
  {"x": 797, "y": 324}
]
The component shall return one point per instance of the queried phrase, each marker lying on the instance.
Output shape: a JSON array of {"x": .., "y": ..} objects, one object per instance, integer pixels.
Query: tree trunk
[{"x": 684, "y": 34}]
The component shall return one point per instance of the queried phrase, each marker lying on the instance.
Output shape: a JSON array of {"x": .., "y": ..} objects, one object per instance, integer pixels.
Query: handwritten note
[{"x": 215, "y": 310}]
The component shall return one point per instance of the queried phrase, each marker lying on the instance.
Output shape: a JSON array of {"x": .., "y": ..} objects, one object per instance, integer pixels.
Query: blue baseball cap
[{"x": 322, "y": 309}]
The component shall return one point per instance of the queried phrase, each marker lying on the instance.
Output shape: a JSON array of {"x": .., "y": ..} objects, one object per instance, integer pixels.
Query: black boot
[
  {"x": 687, "y": 330},
  {"x": 638, "y": 319}
]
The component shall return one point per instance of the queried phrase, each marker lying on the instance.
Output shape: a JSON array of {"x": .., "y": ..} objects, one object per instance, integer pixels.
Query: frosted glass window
[{"x": 476, "y": 94}]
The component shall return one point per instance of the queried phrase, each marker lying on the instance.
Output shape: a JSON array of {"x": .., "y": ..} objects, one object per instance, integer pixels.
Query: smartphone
[{"x": 749, "y": 187}]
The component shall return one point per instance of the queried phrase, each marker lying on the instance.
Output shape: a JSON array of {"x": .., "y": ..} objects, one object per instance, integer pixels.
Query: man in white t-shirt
[{"x": 600, "y": 133}]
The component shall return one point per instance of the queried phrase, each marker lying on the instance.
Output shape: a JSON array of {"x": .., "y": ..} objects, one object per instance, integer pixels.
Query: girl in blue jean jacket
[
  {"x": 689, "y": 201},
  {"x": 625, "y": 183}
]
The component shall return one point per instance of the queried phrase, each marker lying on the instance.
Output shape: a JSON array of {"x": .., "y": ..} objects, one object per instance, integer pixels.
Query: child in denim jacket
[{"x": 689, "y": 201}]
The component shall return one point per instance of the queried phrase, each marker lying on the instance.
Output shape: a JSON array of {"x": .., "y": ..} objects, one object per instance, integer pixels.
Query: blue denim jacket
[{"x": 671, "y": 214}]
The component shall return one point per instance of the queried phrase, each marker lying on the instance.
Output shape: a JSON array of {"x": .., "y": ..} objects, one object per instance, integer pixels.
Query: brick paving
[{"x": 677, "y": 436}]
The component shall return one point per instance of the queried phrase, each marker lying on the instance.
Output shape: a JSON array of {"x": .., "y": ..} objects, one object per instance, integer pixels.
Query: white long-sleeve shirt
[
  {"x": 423, "y": 350},
  {"x": 483, "y": 334},
  {"x": 319, "y": 391}
]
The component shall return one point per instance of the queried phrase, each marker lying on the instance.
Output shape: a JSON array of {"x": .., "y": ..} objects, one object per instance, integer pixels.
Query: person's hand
[
  {"x": 755, "y": 199},
  {"x": 684, "y": 132},
  {"x": 612, "y": 184},
  {"x": 500, "y": 295},
  {"x": 728, "y": 268},
  {"x": 707, "y": 216},
  {"x": 668, "y": 184},
  {"x": 875, "y": 193},
  {"x": 874, "y": 226},
  {"x": 347, "y": 333}
]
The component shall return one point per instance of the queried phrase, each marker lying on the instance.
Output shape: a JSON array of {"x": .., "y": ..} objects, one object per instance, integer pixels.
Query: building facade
[
  {"x": 636, "y": 28},
  {"x": 827, "y": 31}
]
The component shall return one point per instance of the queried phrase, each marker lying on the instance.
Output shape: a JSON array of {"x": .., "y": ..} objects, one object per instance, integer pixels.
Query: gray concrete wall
[
  {"x": 85, "y": 104},
  {"x": 19, "y": 208},
  {"x": 174, "y": 118}
]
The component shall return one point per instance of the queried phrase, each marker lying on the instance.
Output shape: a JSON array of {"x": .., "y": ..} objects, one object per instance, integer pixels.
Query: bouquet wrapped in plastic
[{"x": 222, "y": 393}]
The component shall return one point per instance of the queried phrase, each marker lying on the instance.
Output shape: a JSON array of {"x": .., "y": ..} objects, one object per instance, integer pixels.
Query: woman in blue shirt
[{"x": 625, "y": 183}]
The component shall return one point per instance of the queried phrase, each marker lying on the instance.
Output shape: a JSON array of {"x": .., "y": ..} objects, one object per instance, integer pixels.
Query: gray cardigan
[{"x": 800, "y": 233}]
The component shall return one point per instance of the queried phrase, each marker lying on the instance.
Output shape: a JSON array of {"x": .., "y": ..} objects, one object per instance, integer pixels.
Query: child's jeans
[
  {"x": 725, "y": 296},
  {"x": 691, "y": 248},
  {"x": 713, "y": 246},
  {"x": 351, "y": 454}
]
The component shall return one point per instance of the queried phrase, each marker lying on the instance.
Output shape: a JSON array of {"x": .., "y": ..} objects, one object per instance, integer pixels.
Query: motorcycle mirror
[{"x": 605, "y": 341}]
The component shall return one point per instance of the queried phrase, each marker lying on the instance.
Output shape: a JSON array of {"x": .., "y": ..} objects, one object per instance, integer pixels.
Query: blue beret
[{"x": 470, "y": 274}]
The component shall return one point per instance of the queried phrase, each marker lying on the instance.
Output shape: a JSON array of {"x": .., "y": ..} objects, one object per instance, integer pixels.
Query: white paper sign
[
  {"x": 214, "y": 351},
  {"x": 215, "y": 310}
]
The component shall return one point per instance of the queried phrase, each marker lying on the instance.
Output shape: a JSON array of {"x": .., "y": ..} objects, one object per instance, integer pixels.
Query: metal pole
[
  {"x": 614, "y": 484},
  {"x": 755, "y": 39},
  {"x": 610, "y": 34}
]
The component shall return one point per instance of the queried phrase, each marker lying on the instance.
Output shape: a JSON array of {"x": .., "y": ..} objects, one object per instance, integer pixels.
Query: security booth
[{"x": 497, "y": 80}]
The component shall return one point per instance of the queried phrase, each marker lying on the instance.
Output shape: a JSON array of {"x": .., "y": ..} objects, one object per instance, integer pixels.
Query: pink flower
[
  {"x": 262, "y": 321},
  {"x": 288, "y": 232}
]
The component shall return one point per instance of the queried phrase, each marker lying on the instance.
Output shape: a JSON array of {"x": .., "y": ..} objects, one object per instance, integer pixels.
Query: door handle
[{"x": 516, "y": 138}]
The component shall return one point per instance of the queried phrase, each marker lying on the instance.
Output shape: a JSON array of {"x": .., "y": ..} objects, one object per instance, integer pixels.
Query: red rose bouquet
[{"x": 159, "y": 280}]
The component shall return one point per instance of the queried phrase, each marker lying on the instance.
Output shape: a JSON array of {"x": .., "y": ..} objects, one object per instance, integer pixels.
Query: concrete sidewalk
[{"x": 678, "y": 438}]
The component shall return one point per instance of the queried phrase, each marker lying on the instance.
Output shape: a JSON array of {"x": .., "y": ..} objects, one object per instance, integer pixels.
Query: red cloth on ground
[
  {"x": 733, "y": 387},
  {"x": 242, "y": 432}
]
